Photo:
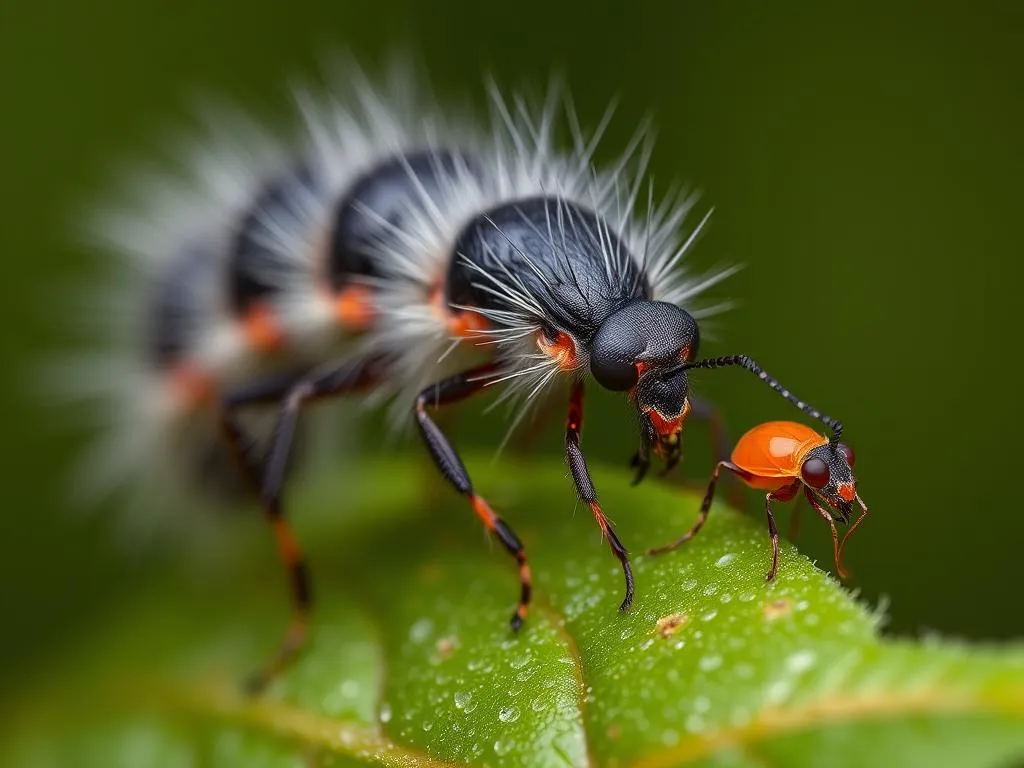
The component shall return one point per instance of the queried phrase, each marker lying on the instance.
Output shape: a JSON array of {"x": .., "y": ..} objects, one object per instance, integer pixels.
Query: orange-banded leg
[
  {"x": 840, "y": 571},
  {"x": 585, "y": 486},
  {"x": 268, "y": 480},
  {"x": 705, "y": 507},
  {"x": 452, "y": 390}
]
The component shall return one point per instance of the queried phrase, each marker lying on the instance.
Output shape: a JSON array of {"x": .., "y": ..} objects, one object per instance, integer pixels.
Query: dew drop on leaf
[
  {"x": 508, "y": 714},
  {"x": 710, "y": 662}
]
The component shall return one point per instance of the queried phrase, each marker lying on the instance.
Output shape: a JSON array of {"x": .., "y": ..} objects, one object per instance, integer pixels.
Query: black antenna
[{"x": 745, "y": 362}]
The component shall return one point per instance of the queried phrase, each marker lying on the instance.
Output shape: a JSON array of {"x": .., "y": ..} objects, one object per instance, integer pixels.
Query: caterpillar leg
[
  {"x": 269, "y": 482},
  {"x": 585, "y": 486},
  {"x": 451, "y": 390}
]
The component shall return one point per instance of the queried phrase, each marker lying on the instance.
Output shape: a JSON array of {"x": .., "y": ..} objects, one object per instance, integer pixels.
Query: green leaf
[{"x": 411, "y": 661}]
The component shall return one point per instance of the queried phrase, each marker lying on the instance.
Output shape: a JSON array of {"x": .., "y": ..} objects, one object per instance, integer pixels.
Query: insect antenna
[{"x": 743, "y": 361}]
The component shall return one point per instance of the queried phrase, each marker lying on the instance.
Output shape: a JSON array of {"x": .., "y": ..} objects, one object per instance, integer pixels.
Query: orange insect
[{"x": 779, "y": 457}]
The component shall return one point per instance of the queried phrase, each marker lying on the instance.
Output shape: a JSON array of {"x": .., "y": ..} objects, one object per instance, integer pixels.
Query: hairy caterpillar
[{"x": 392, "y": 253}]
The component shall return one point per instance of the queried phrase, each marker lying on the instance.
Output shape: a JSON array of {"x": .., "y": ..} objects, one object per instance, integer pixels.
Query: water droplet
[
  {"x": 689, "y": 584},
  {"x": 701, "y": 704},
  {"x": 385, "y": 712},
  {"x": 427, "y": 725},
  {"x": 627, "y": 633},
  {"x": 778, "y": 691},
  {"x": 526, "y": 674},
  {"x": 800, "y": 661},
  {"x": 710, "y": 662},
  {"x": 646, "y": 644},
  {"x": 503, "y": 746},
  {"x": 711, "y": 589},
  {"x": 538, "y": 704},
  {"x": 747, "y": 597},
  {"x": 520, "y": 661},
  {"x": 350, "y": 689},
  {"x": 508, "y": 714},
  {"x": 709, "y": 615},
  {"x": 725, "y": 560},
  {"x": 421, "y": 630},
  {"x": 726, "y": 597},
  {"x": 695, "y": 723},
  {"x": 669, "y": 737},
  {"x": 462, "y": 698}
]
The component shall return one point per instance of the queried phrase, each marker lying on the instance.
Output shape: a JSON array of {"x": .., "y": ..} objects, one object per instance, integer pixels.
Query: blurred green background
[{"x": 865, "y": 163}]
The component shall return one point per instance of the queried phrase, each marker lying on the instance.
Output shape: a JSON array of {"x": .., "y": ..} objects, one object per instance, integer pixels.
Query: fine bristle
[{"x": 173, "y": 324}]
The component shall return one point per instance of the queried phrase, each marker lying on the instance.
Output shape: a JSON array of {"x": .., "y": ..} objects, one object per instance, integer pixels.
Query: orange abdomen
[{"x": 773, "y": 452}]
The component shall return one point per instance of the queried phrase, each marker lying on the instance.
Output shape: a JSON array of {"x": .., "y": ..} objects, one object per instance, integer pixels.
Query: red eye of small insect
[
  {"x": 848, "y": 453},
  {"x": 815, "y": 473}
]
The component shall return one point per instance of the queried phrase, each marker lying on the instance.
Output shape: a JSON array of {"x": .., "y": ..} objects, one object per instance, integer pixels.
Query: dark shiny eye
[
  {"x": 612, "y": 371},
  {"x": 814, "y": 472},
  {"x": 848, "y": 453}
]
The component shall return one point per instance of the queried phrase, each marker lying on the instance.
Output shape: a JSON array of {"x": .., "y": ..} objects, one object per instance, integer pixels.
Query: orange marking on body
[
  {"x": 562, "y": 349},
  {"x": 353, "y": 307},
  {"x": 262, "y": 330},
  {"x": 667, "y": 427},
  {"x": 194, "y": 385},
  {"x": 466, "y": 323},
  {"x": 847, "y": 492},
  {"x": 686, "y": 353},
  {"x": 461, "y": 323},
  {"x": 641, "y": 368}
]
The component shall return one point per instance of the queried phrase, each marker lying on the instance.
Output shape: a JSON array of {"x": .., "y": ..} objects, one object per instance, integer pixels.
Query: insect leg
[
  {"x": 641, "y": 460},
  {"x": 852, "y": 528},
  {"x": 705, "y": 507},
  {"x": 269, "y": 481},
  {"x": 451, "y": 390},
  {"x": 840, "y": 571},
  {"x": 782, "y": 494},
  {"x": 585, "y": 486}
]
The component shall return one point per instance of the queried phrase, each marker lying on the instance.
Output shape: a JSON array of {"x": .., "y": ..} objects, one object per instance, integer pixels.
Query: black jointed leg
[
  {"x": 743, "y": 361},
  {"x": 268, "y": 481},
  {"x": 705, "y": 508},
  {"x": 451, "y": 390},
  {"x": 641, "y": 460},
  {"x": 585, "y": 486},
  {"x": 782, "y": 494},
  {"x": 840, "y": 571}
]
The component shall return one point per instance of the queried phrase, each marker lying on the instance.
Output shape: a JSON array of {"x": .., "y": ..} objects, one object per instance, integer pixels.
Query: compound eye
[
  {"x": 848, "y": 453},
  {"x": 815, "y": 473},
  {"x": 613, "y": 372}
]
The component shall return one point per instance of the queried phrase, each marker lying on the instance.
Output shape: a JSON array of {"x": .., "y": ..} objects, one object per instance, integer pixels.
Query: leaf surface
[{"x": 411, "y": 661}]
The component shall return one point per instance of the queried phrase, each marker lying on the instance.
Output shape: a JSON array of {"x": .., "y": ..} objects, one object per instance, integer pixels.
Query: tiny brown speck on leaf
[
  {"x": 446, "y": 646},
  {"x": 669, "y": 625},
  {"x": 777, "y": 609}
]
